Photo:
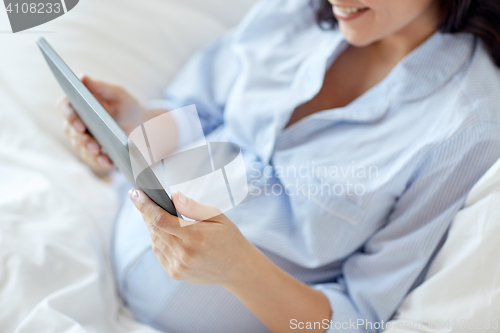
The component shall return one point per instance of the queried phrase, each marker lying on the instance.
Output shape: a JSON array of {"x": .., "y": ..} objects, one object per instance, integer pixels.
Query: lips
[{"x": 348, "y": 13}]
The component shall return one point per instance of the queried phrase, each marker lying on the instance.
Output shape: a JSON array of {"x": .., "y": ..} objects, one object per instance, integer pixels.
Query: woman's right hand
[{"x": 122, "y": 106}]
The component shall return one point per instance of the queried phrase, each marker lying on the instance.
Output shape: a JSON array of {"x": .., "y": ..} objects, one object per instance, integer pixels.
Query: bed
[{"x": 56, "y": 215}]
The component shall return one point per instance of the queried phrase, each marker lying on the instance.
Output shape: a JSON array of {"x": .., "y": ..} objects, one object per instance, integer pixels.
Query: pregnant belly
[
  {"x": 176, "y": 306},
  {"x": 166, "y": 304}
]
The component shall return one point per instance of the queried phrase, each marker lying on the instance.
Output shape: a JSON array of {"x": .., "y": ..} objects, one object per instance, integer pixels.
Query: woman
[{"x": 398, "y": 106}]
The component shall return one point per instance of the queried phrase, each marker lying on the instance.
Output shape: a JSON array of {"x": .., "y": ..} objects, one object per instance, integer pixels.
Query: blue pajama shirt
[{"x": 354, "y": 201}]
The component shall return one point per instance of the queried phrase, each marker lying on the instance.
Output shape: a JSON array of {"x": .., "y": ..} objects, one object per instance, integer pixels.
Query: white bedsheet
[
  {"x": 55, "y": 215},
  {"x": 55, "y": 218},
  {"x": 462, "y": 288}
]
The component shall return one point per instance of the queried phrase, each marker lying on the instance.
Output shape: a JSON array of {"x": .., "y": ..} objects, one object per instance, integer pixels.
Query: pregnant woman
[{"x": 392, "y": 109}]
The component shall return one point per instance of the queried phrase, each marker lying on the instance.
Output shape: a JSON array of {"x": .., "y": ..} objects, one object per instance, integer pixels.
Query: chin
[{"x": 357, "y": 37}]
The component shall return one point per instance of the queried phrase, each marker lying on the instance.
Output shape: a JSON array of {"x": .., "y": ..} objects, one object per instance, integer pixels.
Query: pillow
[{"x": 462, "y": 288}]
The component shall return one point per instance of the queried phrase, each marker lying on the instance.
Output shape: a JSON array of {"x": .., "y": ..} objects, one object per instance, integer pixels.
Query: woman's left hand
[
  {"x": 212, "y": 251},
  {"x": 215, "y": 252}
]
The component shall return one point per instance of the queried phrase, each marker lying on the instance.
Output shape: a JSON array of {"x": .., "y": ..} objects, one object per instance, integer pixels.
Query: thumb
[
  {"x": 193, "y": 209},
  {"x": 145, "y": 205},
  {"x": 101, "y": 89},
  {"x": 154, "y": 214}
]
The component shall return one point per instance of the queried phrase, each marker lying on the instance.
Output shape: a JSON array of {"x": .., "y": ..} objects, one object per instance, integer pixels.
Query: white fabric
[
  {"x": 55, "y": 215},
  {"x": 462, "y": 287}
]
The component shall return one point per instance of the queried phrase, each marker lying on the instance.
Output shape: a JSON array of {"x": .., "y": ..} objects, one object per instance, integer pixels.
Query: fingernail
[
  {"x": 79, "y": 126},
  {"x": 93, "y": 148},
  {"x": 182, "y": 198},
  {"x": 134, "y": 195},
  {"x": 68, "y": 111},
  {"x": 103, "y": 161}
]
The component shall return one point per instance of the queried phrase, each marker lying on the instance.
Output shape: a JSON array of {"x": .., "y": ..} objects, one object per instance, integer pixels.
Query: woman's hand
[
  {"x": 122, "y": 106},
  {"x": 215, "y": 252},
  {"x": 209, "y": 252}
]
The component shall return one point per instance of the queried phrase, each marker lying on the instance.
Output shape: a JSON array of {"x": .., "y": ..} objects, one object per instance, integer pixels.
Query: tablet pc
[{"x": 113, "y": 140}]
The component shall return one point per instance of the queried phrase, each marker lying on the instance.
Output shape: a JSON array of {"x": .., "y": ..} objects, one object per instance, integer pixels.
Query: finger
[
  {"x": 64, "y": 107},
  {"x": 66, "y": 127},
  {"x": 93, "y": 146},
  {"x": 105, "y": 102},
  {"x": 102, "y": 89},
  {"x": 155, "y": 216},
  {"x": 167, "y": 244},
  {"x": 73, "y": 119},
  {"x": 90, "y": 150},
  {"x": 81, "y": 143},
  {"x": 75, "y": 136},
  {"x": 156, "y": 242},
  {"x": 193, "y": 209},
  {"x": 87, "y": 142},
  {"x": 103, "y": 161},
  {"x": 78, "y": 141},
  {"x": 171, "y": 241},
  {"x": 161, "y": 252},
  {"x": 86, "y": 147}
]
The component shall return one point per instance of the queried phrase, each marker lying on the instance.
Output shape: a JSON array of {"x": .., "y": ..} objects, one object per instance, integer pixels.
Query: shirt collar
[
  {"x": 429, "y": 66},
  {"x": 419, "y": 74}
]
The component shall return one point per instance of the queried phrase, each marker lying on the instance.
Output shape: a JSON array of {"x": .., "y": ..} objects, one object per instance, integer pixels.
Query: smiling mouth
[{"x": 348, "y": 12}]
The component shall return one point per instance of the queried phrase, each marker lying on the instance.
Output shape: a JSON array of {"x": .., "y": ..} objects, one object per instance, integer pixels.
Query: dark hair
[{"x": 478, "y": 17}]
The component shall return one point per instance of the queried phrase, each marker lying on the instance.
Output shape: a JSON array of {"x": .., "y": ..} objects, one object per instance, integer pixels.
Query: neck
[{"x": 395, "y": 47}]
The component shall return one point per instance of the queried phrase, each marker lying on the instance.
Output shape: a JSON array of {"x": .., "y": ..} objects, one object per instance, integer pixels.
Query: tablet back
[{"x": 105, "y": 130}]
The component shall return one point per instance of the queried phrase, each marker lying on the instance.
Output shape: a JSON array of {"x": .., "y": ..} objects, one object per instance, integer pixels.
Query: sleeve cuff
[{"x": 345, "y": 318}]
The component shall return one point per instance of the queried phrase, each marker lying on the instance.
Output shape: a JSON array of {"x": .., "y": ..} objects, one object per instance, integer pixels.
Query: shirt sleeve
[
  {"x": 376, "y": 279},
  {"x": 204, "y": 81}
]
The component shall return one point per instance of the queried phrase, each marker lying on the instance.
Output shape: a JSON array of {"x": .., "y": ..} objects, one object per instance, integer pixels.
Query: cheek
[
  {"x": 397, "y": 14},
  {"x": 375, "y": 3}
]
